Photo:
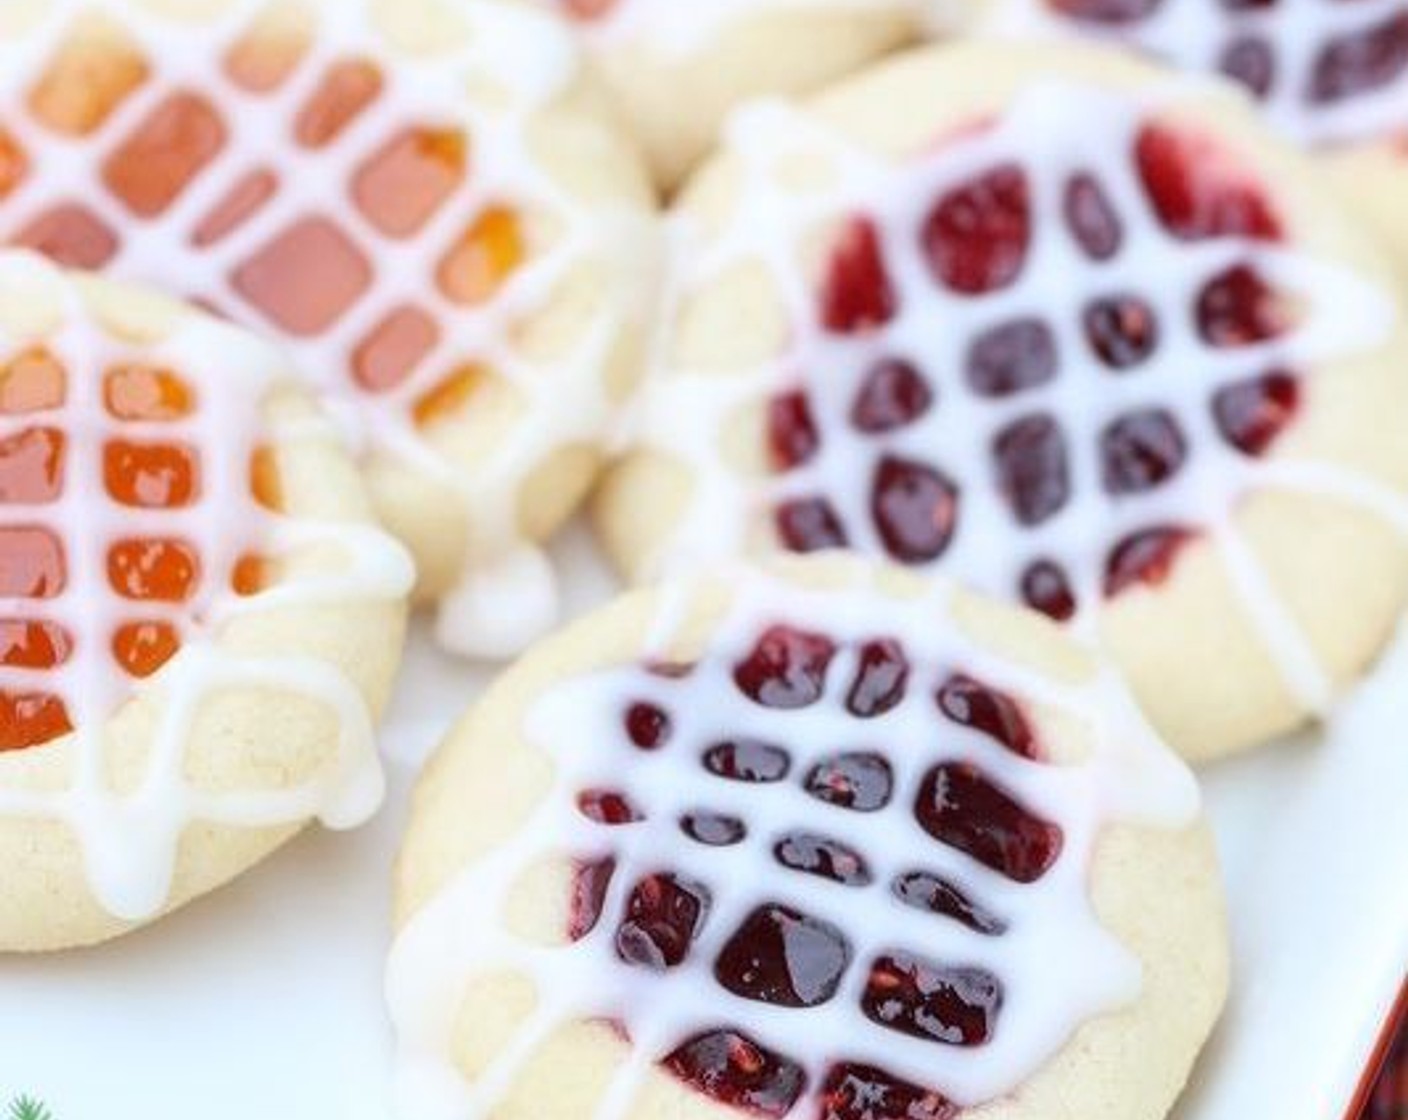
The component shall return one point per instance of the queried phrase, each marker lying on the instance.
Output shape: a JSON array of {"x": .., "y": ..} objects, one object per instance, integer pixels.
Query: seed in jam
[
  {"x": 141, "y": 648},
  {"x": 1032, "y": 468},
  {"x": 31, "y": 563},
  {"x": 893, "y": 395},
  {"x": 1092, "y": 219},
  {"x": 880, "y": 680},
  {"x": 156, "y": 163},
  {"x": 647, "y": 726},
  {"x": 1113, "y": 13},
  {"x": 71, "y": 235},
  {"x": 860, "y": 1092},
  {"x": 971, "y": 703},
  {"x": 786, "y": 669},
  {"x": 1122, "y": 330},
  {"x": 713, "y": 830},
  {"x": 857, "y": 295},
  {"x": 954, "y": 1005},
  {"x": 1250, "y": 61},
  {"x": 747, "y": 760},
  {"x": 591, "y": 881},
  {"x": 306, "y": 278},
  {"x": 793, "y": 431},
  {"x": 960, "y": 807},
  {"x": 1142, "y": 450},
  {"x": 1367, "y": 60},
  {"x": 859, "y": 780},
  {"x": 152, "y": 569},
  {"x": 976, "y": 236},
  {"x": 915, "y": 509},
  {"x": 809, "y": 525},
  {"x": 663, "y": 916},
  {"x": 608, "y": 807},
  {"x": 33, "y": 645},
  {"x": 733, "y": 1070},
  {"x": 1145, "y": 557},
  {"x": 1238, "y": 308},
  {"x": 30, "y": 718},
  {"x": 781, "y": 957},
  {"x": 348, "y": 87},
  {"x": 1252, "y": 414},
  {"x": 1010, "y": 358},
  {"x": 1196, "y": 193},
  {"x": 823, "y": 857},
  {"x": 151, "y": 475},
  {"x": 1046, "y": 588},
  {"x": 32, "y": 466},
  {"x": 923, "y": 890}
]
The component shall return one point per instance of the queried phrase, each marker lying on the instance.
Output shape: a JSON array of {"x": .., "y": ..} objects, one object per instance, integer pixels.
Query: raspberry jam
[
  {"x": 141, "y": 592},
  {"x": 977, "y": 239},
  {"x": 773, "y": 950}
]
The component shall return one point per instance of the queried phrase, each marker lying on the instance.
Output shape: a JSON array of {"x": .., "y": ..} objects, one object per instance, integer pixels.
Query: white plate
[{"x": 265, "y": 1000}]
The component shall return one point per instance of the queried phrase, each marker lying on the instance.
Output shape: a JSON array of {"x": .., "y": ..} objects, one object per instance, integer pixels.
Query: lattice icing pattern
[
  {"x": 139, "y": 511},
  {"x": 1041, "y": 358},
  {"x": 827, "y": 862},
  {"x": 1329, "y": 72},
  {"x": 384, "y": 210}
]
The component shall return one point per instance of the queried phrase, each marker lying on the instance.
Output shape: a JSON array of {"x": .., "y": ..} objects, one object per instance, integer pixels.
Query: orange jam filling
[{"x": 144, "y": 571}]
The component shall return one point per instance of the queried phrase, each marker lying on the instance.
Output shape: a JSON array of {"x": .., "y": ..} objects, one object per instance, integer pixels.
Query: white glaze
[
  {"x": 1194, "y": 33},
  {"x": 130, "y": 839},
  {"x": 1055, "y": 129},
  {"x": 1127, "y": 776},
  {"x": 512, "y": 64}
]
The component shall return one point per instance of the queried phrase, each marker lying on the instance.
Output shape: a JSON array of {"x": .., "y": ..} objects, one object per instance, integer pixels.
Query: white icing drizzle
[
  {"x": 688, "y": 29},
  {"x": 130, "y": 839},
  {"x": 1194, "y": 34},
  {"x": 512, "y": 64},
  {"x": 1053, "y": 129},
  {"x": 1128, "y": 776}
]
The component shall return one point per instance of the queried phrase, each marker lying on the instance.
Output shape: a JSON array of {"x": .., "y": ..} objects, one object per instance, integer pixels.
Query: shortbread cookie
[
  {"x": 425, "y": 198},
  {"x": 1332, "y": 76},
  {"x": 677, "y": 68},
  {"x": 200, "y": 623},
  {"x": 1071, "y": 332},
  {"x": 825, "y": 841}
]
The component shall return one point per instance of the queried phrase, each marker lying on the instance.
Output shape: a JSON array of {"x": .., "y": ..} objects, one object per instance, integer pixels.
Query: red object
[{"x": 1387, "y": 1098}]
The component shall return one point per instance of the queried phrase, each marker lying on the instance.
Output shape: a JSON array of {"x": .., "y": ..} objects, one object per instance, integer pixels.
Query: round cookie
[
  {"x": 821, "y": 840},
  {"x": 200, "y": 620},
  {"x": 1071, "y": 331},
  {"x": 1331, "y": 76},
  {"x": 678, "y": 69},
  {"x": 428, "y": 200}
]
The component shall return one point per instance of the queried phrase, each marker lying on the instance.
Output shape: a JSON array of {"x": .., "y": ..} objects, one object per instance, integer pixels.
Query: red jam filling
[
  {"x": 776, "y": 953},
  {"x": 976, "y": 238},
  {"x": 151, "y": 474},
  {"x": 311, "y": 271}
]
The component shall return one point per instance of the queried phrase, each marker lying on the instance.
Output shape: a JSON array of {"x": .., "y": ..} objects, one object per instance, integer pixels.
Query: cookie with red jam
[
  {"x": 678, "y": 69},
  {"x": 1078, "y": 334},
  {"x": 1330, "y": 75},
  {"x": 428, "y": 201},
  {"x": 821, "y": 841},
  {"x": 198, "y": 619}
]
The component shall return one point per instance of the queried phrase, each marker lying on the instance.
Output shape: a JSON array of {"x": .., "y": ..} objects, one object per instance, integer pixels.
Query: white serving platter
[{"x": 265, "y": 1000}]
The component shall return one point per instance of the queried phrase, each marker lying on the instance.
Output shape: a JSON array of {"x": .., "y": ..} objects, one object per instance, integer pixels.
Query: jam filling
[
  {"x": 976, "y": 240},
  {"x": 778, "y": 954},
  {"x": 306, "y": 274},
  {"x": 1342, "y": 67},
  {"x": 155, "y": 579}
]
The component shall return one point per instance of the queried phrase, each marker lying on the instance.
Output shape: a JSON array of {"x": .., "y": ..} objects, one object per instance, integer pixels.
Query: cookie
[
  {"x": 426, "y": 200},
  {"x": 1074, "y": 331},
  {"x": 201, "y": 622},
  {"x": 1333, "y": 77},
  {"x": 677, "y": 70},
  {"x": 822, "y": 840}
]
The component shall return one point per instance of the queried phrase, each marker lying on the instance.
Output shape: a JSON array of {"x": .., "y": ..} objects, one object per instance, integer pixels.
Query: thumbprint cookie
[
  {"x": 199, "y": 620},
  {"x": 1075, "y": 331},
  {"x": 427, "y": 200},
  {"x": 818, "y": 841}
]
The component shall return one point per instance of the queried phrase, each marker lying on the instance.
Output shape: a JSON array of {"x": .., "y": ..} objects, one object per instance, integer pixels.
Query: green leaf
[{"x": 27, "y": 1108}]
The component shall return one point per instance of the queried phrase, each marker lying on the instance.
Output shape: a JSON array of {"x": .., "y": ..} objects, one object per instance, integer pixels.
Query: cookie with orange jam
[
  {"x": 1074, "y": 330},
  {"x": 821, "y": 841},
  {"x": 427, "y": 201},
  {"x": 198, "y": 619}
]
